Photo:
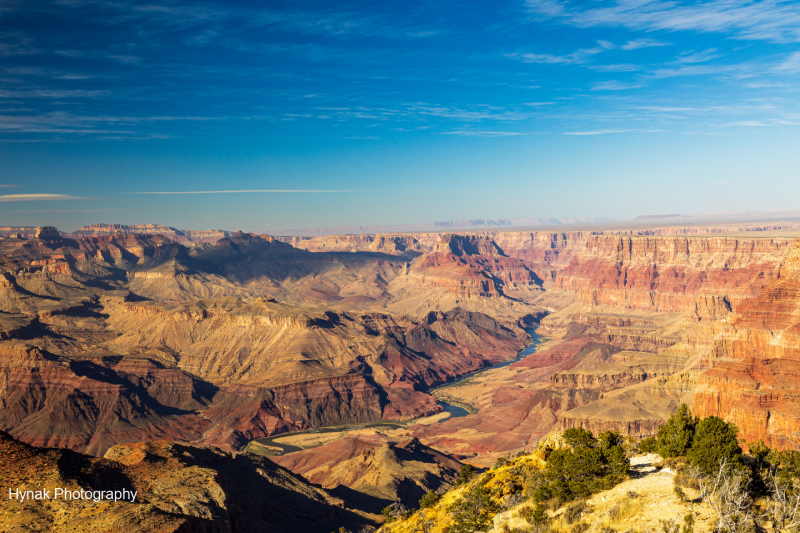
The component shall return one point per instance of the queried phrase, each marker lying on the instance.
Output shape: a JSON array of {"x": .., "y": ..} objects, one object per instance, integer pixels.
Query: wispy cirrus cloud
[
  {"x": 471, "y": 133},
  {"x": 700, "y": 70},
  {"x": 617, "y": 67},
  {"x": 746, "y": 124},
  {"x": 770, "y": 20},
  {"x": 614, "y": 86},
  {"x": 39, "y": 197},
  {"x": 642, "y": 43},
  {"x": 65, "y": 211},
  {"x": 248, "y": 191},
  {"x": 699, "y": 57},
  {"x": 52, "y": 93},
  {"x": 68, "y": 123},
  {"x": 577, "y": 57},
  {"x": 791, "y": 64},
  {"x": 478, "y": 113},
  {"x": 598, "y": 132}
]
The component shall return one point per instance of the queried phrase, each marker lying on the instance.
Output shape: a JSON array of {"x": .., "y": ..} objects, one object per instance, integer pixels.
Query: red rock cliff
[{"x": 755, "y": 364}]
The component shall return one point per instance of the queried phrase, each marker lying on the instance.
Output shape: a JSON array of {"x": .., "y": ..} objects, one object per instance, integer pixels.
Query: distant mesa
[
  {"x": 173, "y": 234},
  {"x": 467, "y": 245},
  {"x": 47, "y": 233},
  {"x": 659, "y": 217},
  {"x": 471, "y": 224}
]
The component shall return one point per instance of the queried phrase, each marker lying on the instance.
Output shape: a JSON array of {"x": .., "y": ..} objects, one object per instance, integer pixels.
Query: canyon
[{"x": 115, "y": 336}]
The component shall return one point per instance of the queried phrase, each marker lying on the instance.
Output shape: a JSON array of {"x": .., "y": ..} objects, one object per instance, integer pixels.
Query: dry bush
[
  {"x": 574, "y": 511},
  {"x": 676, "y": 464},
  {"x": 727, "y": 494},
  {"x": 674, "y": 526},
  {"x": 679, "y": 491},
  {"x": 687, "y": 477},
  {"x": 669, "y": 526},
  {"x": 618, "y": 515},
  {"x": 625, "y": 510},
  {"x": 512, "y": 500},
  {"x": 782, "y": 506}
]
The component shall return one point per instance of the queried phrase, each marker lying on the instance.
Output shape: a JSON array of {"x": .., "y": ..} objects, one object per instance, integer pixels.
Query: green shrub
[
  {"x": 714, "y": 443},
  {"x": 500, "y": 461},
  {"x": 608, "y": 439},
  {"x": 581, "y": 471},
  {"x": 526, "y": 513},
  {"x": 429, "y": 499},
  {"x": 396, "y": 511},
  {"x": 466, "y": 473},
  {"x": 648, "y": 445},
  {"x": 787, "y": 462},
  {"x": 676, "y": 436},
  {"x": 618, "y": 463},
  {"x": 579, "y": 437},
  {"x": 474, "y": 511},
  {"x": 688, "y": 524},
  {"x": 533, "y": 515}
]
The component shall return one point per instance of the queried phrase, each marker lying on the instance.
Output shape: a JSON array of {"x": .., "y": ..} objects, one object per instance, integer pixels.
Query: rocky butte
[{"x": 150, "y": 351}]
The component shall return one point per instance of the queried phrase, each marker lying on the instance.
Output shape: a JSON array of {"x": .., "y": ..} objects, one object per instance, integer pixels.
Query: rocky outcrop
[
  {"x": 47, "y": 233},
  {"x": 391, "y": 472},
  {"x": 602, "y": 382},
  {"x": 470, "y": 266},
  {"x": 173, "y": 234},
  {"x": 228, "y": 341},
  {"x": 177, "y": 488},
  {"x": 91, "y": 404},
  {"x": 406, "y": 245},
  {"x": 241, "y": 414}
]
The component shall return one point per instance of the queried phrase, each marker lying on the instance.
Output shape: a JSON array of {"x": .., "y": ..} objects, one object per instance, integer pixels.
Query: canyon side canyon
[{"x": 158, "y": 355}]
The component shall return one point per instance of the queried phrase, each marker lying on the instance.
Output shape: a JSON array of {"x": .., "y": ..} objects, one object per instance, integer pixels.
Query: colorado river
[{"x": 454, "y": 410}]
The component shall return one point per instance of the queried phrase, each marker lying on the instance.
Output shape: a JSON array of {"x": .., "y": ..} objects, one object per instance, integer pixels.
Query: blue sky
[{"x": 394, "y": 112}]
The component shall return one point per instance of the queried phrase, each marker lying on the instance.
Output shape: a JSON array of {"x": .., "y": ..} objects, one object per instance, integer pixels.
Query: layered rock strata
[{"x": 755, "y": 364}]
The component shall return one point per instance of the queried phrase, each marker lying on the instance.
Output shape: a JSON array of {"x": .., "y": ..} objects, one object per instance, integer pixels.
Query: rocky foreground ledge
[{"x": 179, "y": 489}]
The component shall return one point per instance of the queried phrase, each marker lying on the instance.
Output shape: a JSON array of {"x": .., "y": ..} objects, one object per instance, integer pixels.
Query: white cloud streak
[
  {"x": 614, "y": 86},
  {"x": 642, "y": 43},
  {"x": 575, "y": 58},
  {"x": 596, "y": 132},
  {"x": 469, "y": 133},
  {"x": 699, "y": 57},
  {"x": 38, "y": 197},
  {"x": 792, "y": 64},
  {"x": 281, "y": 191}
]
